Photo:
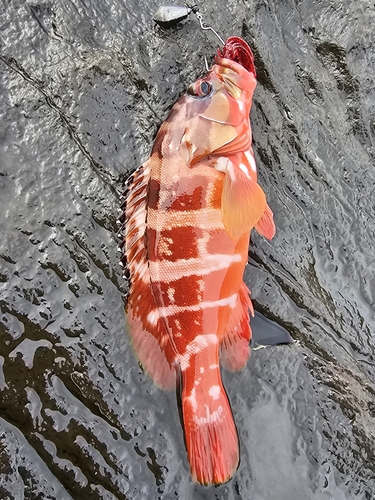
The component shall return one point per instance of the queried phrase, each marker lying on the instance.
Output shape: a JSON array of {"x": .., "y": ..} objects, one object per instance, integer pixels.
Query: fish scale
[{"x": 189, "y": 212}]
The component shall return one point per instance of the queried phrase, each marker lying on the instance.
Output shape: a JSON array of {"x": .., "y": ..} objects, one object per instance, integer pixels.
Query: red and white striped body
[{"x": 189, "y": 212}]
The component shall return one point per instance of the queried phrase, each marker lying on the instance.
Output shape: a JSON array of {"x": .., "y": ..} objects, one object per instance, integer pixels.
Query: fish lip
[{"x": 247, "y": 78}]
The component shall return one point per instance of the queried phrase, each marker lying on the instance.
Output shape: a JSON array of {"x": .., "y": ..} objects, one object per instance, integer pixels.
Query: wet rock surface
[{"x": 84, "y": 87}]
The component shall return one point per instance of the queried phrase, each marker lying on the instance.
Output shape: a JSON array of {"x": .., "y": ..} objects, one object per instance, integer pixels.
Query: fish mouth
[
  {"x": 235, "y": 77},
  {"x": 236, "y": 49}
]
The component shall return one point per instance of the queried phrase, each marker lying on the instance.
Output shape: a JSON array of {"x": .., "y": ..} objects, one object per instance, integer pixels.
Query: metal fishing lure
[{"x": 170, "y": 15}]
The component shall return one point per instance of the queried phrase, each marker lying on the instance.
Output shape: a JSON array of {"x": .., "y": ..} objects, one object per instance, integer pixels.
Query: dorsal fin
[{"x": 149, "y": 337}]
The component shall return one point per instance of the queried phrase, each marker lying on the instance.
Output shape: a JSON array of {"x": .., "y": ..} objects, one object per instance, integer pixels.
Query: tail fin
[{"x": 210, "y": 432}]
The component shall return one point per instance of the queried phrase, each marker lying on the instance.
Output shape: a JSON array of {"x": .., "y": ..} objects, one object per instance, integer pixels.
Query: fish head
[{"x": 217, "y": 109}]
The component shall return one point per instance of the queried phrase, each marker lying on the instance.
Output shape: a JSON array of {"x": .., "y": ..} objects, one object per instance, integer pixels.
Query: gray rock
[{"x": 84, "y": 87}]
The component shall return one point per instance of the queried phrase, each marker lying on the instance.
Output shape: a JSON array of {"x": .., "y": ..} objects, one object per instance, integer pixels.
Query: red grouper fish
[{"x": 188, "y": 214}]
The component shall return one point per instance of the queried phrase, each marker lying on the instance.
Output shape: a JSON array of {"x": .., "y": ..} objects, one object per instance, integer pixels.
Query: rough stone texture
[{"x": 84, "y": 87}]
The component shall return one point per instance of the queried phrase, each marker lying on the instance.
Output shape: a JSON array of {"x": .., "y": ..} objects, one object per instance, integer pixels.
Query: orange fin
[
  {"x": 242, "y": 202},
  {"x": 266, "y": 226},
  {"x": 149, "y": 338},
  {"x": 235, "y": 346},
  {"x": 134, "y": 220},
  {"x": 210, "y": 434}
]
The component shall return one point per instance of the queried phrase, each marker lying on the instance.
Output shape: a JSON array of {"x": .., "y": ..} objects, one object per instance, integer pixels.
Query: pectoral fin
[{"x": 242, "y": 203}]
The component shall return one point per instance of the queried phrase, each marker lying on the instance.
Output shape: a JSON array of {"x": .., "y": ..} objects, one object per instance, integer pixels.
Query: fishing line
[{"x": 170, "y": 15}]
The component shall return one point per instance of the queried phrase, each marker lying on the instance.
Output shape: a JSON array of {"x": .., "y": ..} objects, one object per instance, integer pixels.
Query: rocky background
[{"x": 84, "y": 86}]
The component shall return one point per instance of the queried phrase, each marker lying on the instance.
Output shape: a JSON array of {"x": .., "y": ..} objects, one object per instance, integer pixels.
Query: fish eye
[
  {"x": 205, "y": 89},
  {"x": 200, "y": 89}
]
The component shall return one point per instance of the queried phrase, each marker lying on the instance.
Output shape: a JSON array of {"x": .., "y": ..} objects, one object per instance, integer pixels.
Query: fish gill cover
[{"x": 236, "y": 49}]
